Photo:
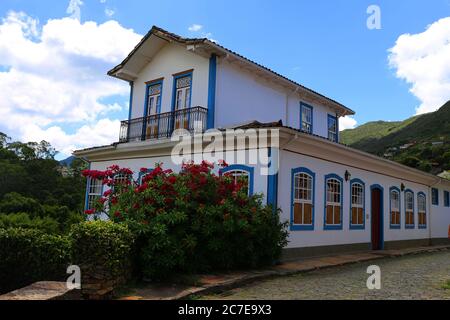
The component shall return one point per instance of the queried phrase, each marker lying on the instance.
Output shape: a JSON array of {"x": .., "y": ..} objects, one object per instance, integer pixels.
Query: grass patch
[{"x": 446, "y": 285}]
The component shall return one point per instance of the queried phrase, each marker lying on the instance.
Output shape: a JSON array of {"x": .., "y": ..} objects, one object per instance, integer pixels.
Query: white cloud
[
  {"x": 74, "y": 9},
  {"x": 423, "y": 60},
  {"x": 195, "y": 27},
  {"x": 109, "y": 12},
  {"x": 54, "y": 76},
  {"x": 347, "y": 122}
]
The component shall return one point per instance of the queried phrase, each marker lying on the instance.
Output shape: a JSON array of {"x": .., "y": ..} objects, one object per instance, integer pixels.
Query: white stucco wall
[
  {"x": 321, "y": 237},
  {"x": 171, "y": 59},
  {"x": 440, "y": 215}
]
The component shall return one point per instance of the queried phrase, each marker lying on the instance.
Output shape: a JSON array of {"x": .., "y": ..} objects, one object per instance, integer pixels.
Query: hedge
[
  {"x": 103, "y": 250},
  {"x": 28, "y": 255}
]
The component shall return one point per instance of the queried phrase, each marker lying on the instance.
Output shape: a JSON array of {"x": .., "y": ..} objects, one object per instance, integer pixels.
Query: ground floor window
[
  {"x": 302, "y": 199},
  {"x": 422, "y": 210},
  {"x": 395, "y": 207},
  {"x": 409, "y": 209},
  {"x": 333, "y": 202},
  {"x": 95, "y": 188},
  {"x": 240, "y": 174},
  {"x": 357, "y": 204}
]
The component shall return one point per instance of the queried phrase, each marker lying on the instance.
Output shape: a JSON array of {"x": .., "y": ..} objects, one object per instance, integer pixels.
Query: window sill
[
  {"x": 302, "y": 227},
  {"x": 423, "y": 226},
  {"x": 357, "y": 227},
  {"x": 410, "y": 226},
  {"x": 395, "y": 226},
  {"x": 332, "y": 227}
]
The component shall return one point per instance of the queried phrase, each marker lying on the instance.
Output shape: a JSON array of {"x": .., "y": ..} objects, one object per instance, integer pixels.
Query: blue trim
[
  {"x": 334, "y": 226},
  {"x": 422, "y": 226},
  {"x": 363, "y": 225},
  {"x": 395, "y": 226},
  {"x": 446, "y": 199},
  {"x": 211, "y": 91},
  {"x": 307, "y": 106},
  {"x": 249, "y": 170},
  {"x": 434, "y": 196},
  {"x": 158, "y": 107},
  {"x": 410, "y": 226},
  {"x": 379, "y": 187},
  {"x": 88, "y": 185},
  {"x": 272, "y": 185},
  {"x": 130, "y": 108},
  {"x": 174, "y": 92},
  {"x": 294, "y": 172},
  {"x": 142, "y": 173},
  {"x": 337, "y": 126}
]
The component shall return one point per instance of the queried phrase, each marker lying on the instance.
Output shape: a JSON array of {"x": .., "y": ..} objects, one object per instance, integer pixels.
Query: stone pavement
[
  {"x": 42, "y": 290},
  {"x": 210, "y": 284}
]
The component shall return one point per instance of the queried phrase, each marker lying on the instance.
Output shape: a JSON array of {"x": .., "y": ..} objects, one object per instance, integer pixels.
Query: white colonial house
[{"x": 335, "y": 198}]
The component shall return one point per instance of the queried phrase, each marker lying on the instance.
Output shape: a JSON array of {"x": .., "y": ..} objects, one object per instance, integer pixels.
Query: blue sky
[{"x": 322, "y": 44}]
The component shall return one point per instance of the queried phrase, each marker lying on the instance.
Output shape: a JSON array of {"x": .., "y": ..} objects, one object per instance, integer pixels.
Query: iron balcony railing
[{"x": 162, "y": 125}]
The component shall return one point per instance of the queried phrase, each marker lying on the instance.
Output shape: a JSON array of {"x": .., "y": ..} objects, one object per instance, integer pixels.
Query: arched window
[
  {"x": 333, "y": 202},
  {"x": 240, "y": 173},
  {"x": 302, "y": 211},
  {"x": 409, "y": 209},
  {"x": 143, "y": 173},
  {"x": 357, "y": 207},
  {"x": 121, "y": 181},
  {"x": 422, "y": 210},
  {"x": 395, "y": 208}
]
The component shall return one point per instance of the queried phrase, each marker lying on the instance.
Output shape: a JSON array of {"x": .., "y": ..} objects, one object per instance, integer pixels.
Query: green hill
[{"x": 422, "y": 141}]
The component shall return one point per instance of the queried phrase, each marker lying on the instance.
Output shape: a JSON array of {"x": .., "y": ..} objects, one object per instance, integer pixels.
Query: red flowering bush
[{"x": 191, "y": 221}]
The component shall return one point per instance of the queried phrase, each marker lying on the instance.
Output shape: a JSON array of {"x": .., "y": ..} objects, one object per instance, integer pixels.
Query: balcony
[{"x": 162, "y": 125}]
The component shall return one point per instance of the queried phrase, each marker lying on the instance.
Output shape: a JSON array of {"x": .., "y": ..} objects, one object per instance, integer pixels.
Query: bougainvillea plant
[{"x": 192, "y": 220}]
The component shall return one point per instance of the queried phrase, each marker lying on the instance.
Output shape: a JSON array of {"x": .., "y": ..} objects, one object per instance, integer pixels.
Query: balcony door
[
  {"x": 182, "y": 101},
  {"x": 154, "y": 91}
]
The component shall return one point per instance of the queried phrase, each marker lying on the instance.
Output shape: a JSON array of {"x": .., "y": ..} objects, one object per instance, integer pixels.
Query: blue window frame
[
  {"x": 94, "y": 191},
  {"x": 357, "y": 205},
  {"x": 409, "y": 209},
  {"x": 142, "y": 174},
  {"x": 394, "y": 208},
  {"x": 434, "y": 196},
  {"x": 333, "y": 202},
  {"x": 333, "y": 128},
  {"x": 306, "y": 117},
  {"x": 237, "y": 171},
  {"x": 446, "y": 199},
  {"x": 422, "y": 210},
  {"x": 181, "y": 99},
  {"x": 302, "y": 199},
  {"x": 152, "y": 107}
]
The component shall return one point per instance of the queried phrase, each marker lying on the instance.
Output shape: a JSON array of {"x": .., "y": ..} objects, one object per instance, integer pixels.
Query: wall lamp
[{"x": 347, "y": 175}]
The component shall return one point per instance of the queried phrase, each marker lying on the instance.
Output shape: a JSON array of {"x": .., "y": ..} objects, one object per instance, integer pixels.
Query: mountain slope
[{"x": 422, "y": 141}]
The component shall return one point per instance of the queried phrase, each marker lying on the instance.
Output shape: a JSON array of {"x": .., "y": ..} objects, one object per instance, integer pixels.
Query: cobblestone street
[{"x": 410, "y": 277}]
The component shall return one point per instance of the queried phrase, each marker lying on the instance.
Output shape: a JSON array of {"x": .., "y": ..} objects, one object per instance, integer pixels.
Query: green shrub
[
  {"x": 28, "y": 255},
  {"x": 23, "y": 220},
  {"x": 102, "y": 247},
  {"x": 194, "y": 221}
]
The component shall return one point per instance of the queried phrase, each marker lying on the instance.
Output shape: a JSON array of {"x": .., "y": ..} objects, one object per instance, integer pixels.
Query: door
[
  {"x": 377, "y": 218},
  {"x": 182, "y": 102},
  {"x": 153, "y": 108}
]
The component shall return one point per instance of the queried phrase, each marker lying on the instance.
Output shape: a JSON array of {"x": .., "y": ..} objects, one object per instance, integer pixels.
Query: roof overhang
[{"x": 290, "y": 140}]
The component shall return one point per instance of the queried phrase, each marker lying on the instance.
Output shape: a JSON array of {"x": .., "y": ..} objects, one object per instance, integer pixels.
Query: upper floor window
[
  {"x": 240, "y": 174},
  {"x": 302, "y": 199},
  {"x": 332, "y": 128},
  {"x": 422, "y": 210},
  {"x": 183, "y": 91},
  {"x": 357, "y": 204},
  {"x": 333, "y": 202},
  {"x": 154, "y": 91},
  {"x": 409, "y": 208},
  {"x": 434, "y": 196},
  {"x": 446, "y": 198},
  {"x": 306, "y": 118},
  {"x": 95, "y": 189},
  {"x": 395, "y": 207}
]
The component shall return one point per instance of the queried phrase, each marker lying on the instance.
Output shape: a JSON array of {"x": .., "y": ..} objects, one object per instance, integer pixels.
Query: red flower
[
  {"x": 223, "y": 164},
  {"x": 89, "y": 212},
  {"x": 117, "y": 214},
  {"x": 107, "y": 192},
  {"x": 172, "y": 179}
]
